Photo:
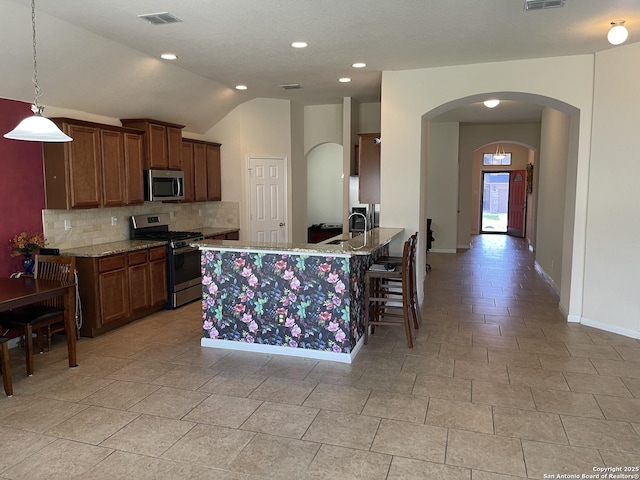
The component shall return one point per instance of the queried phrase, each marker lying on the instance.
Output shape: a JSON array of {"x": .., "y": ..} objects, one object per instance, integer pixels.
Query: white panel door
[{"x": 267, "y": 199}]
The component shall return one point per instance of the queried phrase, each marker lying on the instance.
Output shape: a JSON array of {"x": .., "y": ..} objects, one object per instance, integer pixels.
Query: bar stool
[
  {"x": 395, "y": 260},
  {"x": 381, "y": 300},
  {"x": 4, "y": 366}
]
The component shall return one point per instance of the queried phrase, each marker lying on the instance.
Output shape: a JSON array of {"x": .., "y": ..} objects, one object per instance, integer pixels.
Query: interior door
[
  {"x": 267, "y": 199},
  {"x": 517, "y": 203}
]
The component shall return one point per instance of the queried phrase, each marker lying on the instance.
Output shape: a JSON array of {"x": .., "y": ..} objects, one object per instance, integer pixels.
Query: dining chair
[
  {"x": 5, "y": 368},
  {"x": 46, "y": 316},
  {"x": 384, "y": 304}
]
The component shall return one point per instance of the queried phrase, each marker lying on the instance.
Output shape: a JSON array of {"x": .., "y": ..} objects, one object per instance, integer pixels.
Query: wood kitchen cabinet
[
  {"x": 201, "y": 167},
  {"x": 214, "y": 177},
  {"x": 368, "y": 168},
  {"x": 162, "y": 142},
  {"x": 101, "y": 167},
  {"x": 117, "y": 289}
]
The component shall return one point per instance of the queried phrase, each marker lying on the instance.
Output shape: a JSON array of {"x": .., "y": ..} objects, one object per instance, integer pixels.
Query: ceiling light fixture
[
  {"x": 241, "y": 87},
  {"x": 359, "y": 65},
  {"x": 169, "y": 56},
  {"x": 37, "y": 128},
  {"x": 493, "y": 103},
  {"x": 344, "y": 80},
  {"x": 618, "y": 33},
  {"x": 500, "y": 153},
  {"x": 299, "y": 45}
]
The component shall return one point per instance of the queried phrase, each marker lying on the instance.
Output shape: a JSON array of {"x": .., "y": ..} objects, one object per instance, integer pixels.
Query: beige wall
[
  {"x": 322, "y": 124},
  {"x": 472, "y": 138},
  {"x": 411, "y": 97},
  {"x": 612, "y": 255}
]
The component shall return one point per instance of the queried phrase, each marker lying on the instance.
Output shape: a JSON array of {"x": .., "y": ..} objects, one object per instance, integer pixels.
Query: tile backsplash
[{"x": 96, "y": 225}]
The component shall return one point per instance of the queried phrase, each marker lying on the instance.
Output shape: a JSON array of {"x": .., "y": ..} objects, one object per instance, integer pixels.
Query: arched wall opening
[
  {"x": 449, "y": 183},
  {"x": 325, "y": 184}
]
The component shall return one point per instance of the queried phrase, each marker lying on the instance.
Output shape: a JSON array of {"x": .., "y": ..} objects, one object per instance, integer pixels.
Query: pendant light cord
[{"x": 37, "y": 109}]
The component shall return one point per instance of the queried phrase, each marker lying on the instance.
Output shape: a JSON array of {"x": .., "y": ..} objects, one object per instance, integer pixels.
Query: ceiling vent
[
  {"x": 162, "y": 18},
  {"x": 291, "y": 86},
  {"x": 542, "y": 4}
]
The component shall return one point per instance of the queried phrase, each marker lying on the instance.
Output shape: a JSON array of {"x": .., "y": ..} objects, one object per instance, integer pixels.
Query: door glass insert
[{"x": 495, "y": 202}]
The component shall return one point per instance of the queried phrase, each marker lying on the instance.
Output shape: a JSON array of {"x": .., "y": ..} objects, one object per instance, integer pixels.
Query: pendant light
[
  {"x": 37, "y": 128},
  {"x": 618, "y": 33},
  {"x": 500, "y": 154}
]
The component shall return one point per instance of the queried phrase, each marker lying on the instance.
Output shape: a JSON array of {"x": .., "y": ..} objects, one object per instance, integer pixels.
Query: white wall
[
  {"x": 442, "y": 185},
  {"x": 410, "y": 97},
  {"x": 322, "y": 124},
  {"x": 259, "y": 127},
  {"x": 473, "y": 137},
  {"x": 611, "y": 298},
  {"x": 324, "y": 184},
  {"x": 551, "y": 191}
]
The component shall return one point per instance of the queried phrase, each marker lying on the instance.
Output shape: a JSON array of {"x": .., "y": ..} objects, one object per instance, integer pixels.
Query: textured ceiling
[{"x": 99, "y": 57}]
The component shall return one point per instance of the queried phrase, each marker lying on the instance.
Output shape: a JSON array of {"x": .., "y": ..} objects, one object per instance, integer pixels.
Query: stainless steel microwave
[{"x": 163, "y": 185}]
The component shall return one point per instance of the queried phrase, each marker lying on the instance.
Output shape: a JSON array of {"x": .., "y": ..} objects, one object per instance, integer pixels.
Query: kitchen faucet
[{"x": 365, "y": 225}]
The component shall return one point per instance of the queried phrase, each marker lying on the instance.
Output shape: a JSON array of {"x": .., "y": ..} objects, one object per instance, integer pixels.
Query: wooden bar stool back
[
  {"x": 384, "y": 305},
  {"x": 5, "y": 368}
]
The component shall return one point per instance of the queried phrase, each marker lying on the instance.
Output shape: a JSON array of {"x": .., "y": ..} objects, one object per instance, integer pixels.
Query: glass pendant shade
[
  {"x": 37, "y": 129},
  {"x": 618, "y": 33}
]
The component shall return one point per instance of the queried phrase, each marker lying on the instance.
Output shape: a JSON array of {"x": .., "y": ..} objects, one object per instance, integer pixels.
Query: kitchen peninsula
[{"x": 302, "y": 300}]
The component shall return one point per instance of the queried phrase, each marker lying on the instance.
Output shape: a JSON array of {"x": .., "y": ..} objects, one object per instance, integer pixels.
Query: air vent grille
[
  {"x": 161, "y": 18},
  {"x": 291, "y": 86},
  {"x": 542, "y": 4}
]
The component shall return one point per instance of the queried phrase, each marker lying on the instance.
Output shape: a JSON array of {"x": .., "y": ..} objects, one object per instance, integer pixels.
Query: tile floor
[{"x": 497, "y": 387}]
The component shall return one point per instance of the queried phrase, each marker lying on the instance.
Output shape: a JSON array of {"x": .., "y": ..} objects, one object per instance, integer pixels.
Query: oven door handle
[{"x": 180, "y": 251}]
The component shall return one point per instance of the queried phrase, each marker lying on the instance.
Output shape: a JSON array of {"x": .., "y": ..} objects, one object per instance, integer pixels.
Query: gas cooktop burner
[{"x": 156, "y": 227}]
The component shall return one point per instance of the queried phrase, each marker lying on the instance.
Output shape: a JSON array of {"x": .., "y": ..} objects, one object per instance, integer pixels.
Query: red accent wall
[{"x": 21, "y": 184}]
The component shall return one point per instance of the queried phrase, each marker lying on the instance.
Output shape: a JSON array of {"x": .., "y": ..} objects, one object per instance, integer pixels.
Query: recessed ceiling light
[
  {"x": 359, "y": 65},
  {"x": 491, "y": 103},
  {"x": 241, "y": 87},
  {"x": 169, "y": 56},
  {"x": 299, "y": 45},
  {"x": 344, "y": 80}
]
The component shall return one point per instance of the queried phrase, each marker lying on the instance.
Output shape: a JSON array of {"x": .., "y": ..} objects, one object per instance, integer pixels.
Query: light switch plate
[{"x": 67, "y": 224}]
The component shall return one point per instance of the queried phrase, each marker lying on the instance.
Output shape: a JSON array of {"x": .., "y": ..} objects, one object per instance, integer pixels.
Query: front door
[
  {"x": 267, "y": 182},
  {"x": 517, "y": 203}
]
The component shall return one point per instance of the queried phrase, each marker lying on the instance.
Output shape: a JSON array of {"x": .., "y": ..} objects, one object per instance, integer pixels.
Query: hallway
[{"x": 498, "y": 387}]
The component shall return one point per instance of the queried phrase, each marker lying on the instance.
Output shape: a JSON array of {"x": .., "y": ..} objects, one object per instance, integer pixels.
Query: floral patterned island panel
[{"x": 307, "y": 305}]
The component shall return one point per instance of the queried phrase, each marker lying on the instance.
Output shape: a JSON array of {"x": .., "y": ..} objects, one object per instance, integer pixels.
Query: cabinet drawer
[
  {"x": 112, "y": 262},
  {"x": 136, "y": 258},
  {"x": 157, "y": 253}
]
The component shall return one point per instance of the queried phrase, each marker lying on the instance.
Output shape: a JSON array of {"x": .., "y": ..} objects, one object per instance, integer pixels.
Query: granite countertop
[
  {"x": 111, "y": 248},
  {"x": 348, "y": 246}
]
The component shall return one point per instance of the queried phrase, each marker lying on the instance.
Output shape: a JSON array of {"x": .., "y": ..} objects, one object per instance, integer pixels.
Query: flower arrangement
[{"x": 26, "y": 243}]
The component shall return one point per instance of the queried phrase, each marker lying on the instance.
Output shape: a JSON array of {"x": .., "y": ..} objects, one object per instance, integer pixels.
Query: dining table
[{"x": 26, "y": 290}]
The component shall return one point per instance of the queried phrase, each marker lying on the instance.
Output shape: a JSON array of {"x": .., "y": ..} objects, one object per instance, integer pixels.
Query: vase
[{"x": 28, "y": 263}]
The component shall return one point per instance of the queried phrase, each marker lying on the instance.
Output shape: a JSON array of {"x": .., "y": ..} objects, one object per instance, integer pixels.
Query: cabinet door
[
  {"x": 85, "y": 172},
  {"x": 174, "y": 148},
  {"x": 200, "y": 171},
  {"x": 134, "y": 168},
  {"x": 158, "y": 274},
  {"x": 139, "y": 281},
  {"x": 187, "y": 168},
  {"x": 157, "y": 146},
  {"x": 369, "y": 169},
  {"x": 214, "y": 181},
  {"x": 113, "y": 179},
  {"x": 113, "y": 288}
]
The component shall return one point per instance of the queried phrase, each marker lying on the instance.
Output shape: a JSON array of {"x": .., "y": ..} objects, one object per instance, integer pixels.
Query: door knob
[{"x": 282, "y": 224}]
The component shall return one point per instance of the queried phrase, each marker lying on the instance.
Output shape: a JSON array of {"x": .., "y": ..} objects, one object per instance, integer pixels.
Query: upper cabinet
[
  {"x": 201, "y": 167},
  {"x": 101, "y": 167},
  {"x": 369, "y": 168},
  {"x": 162, "y": 142}
]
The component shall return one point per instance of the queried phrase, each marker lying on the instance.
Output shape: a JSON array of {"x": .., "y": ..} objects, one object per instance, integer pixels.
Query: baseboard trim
[
  {"x": 626, "y": 332},
  {"x": 547, "y": 278},
  {"x": 443, "y": 250}
]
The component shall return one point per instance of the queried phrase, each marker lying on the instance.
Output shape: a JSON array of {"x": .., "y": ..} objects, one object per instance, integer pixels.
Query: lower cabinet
[{"x": 118, "y": 289}]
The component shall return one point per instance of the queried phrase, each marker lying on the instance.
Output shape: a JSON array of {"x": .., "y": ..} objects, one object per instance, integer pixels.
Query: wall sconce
[{"x": 618, "y": 33}]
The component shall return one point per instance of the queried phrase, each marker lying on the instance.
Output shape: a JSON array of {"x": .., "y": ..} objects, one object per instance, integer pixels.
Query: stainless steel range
[{"x": 183, "y": 261}]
